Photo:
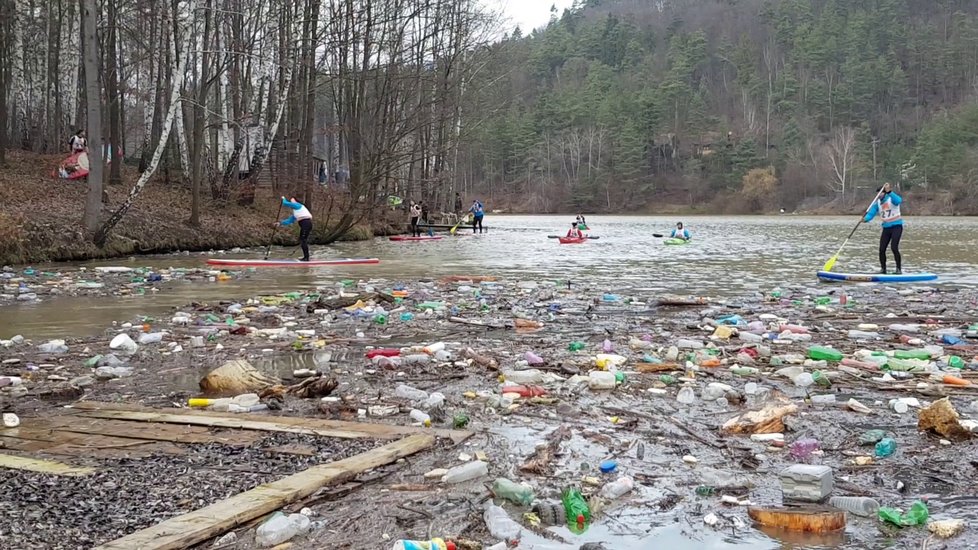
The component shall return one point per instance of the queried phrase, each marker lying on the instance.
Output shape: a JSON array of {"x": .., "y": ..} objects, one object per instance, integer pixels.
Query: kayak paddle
[
  {"x": 831, "y": 263},
  {"x": 563, "y": 236},
  {"x": 658, "y": 235},
  {"x": 269, "y": 247},
  {"x": 460, "y": 220}
]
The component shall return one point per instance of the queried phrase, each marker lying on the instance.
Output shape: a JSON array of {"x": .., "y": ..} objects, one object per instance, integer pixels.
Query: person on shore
[
  {"x": 680, "y": 232},
  {"x": 575, "y": 230},
  {"x": 477, "y": 211},
  {"x": 887, "y": 206},
  {"x": 78, "y": 142},
  {"x": 415, "y": 210},
  {"x": 458, "y": 204},
  {"x": 301, "y": 215}
]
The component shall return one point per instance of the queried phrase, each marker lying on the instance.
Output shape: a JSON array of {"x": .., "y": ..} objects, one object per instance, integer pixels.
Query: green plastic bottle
[
  {"x": 912, "y": 354},
  {"x": 822, "y": 380},
  {"x": 904, "y": 365},
  {"x": 822, "y": 353},
  {"x": 823, "y": 300},
  {"x": 745, "y": 371},
  {"x": 575, "y": 346},
  {"x": 576, "y": 508},
  {"x": 705, "y": 490},
  {"x": 512, "y": 491},
  {"x": 955, "y": 362},
  {"x": 667, "y": 379}
]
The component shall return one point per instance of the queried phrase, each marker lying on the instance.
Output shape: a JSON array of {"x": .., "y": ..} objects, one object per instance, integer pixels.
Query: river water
[{"x": 729, "y": 256}]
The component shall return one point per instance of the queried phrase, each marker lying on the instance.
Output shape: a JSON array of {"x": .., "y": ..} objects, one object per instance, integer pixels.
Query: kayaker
[
  {"x": 681, "y": 232},
  {"x": 477, "y": 211},
  {"x": 302, "y": 215},
  {"x": 887, "y": 206},
  {"x": 575, "y": 231},
  {"x": 415, "y": 211},
  {"x": 581, "y": 222}
]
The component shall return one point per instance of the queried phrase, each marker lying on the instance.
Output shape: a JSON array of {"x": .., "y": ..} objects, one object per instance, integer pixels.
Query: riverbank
[
  {"x": 40, "y": 218},
  {"x": 649, "y": 384}
]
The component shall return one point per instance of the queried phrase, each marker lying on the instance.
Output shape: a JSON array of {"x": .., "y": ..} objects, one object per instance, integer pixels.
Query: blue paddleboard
[{"x": 877, "y": 277}]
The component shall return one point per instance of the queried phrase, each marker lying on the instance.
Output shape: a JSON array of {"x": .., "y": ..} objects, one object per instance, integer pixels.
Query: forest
[{"x": 737, "y": 106}]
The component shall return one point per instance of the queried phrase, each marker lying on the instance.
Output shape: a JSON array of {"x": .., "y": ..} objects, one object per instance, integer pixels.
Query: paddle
[
  {"x": 460, "y": 220},
  {"x": 269, "y": 247},
  {"x": 831, "y": 263},
  {"x": 562, "y": 236},
  {"x": 658, "y": 235}
]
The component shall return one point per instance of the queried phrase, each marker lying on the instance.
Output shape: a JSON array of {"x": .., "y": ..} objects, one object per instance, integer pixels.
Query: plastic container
[
  {"x": 281, "y": 528},
  {"x": 433, "y": 544},
  {"x": 150, "y": 338},
  {"x": 912, "y": 354},
  {"x": 434, "y": 401},
  {"x": 420, "y": 417},
  {"x": 533, "y": 359},
  {"x": 807, "y": 483},
  {"x": 528, "y": 376},
  {"x": 686, "y": 395},
  {"x": 822, "y": 353},
  {"x": 886, "y": 447},
  {"x": 54, "y": 346},
  {"x": 500, "y": 525},
  {"x": 802, "y": 449},
  {"x": 601, "y": 380},
  {"x": 804, "y": 380},
  {"x": 466, "y": 472},
  {"x": 617, "y": 488},
  {"x": 516, "y": 493},
  {"x": 403, "y": 391},
  {"x": 576, "y": 509},
  {"x": 434, "y": 348},
  {"x": 861, "y": 506}
]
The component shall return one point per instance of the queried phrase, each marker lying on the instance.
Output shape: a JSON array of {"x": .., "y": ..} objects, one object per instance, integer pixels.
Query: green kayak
[{"x": 675, "y": 241}]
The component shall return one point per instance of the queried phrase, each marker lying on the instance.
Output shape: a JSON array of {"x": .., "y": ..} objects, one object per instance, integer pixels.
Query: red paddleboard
[
  {"x": 290, "y": 262},
  {"x": 402, "y": 238}
]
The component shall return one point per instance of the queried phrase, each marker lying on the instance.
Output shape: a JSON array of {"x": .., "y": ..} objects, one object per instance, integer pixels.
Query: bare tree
[
  {"x": 841, "y": 153},
  {"x": 93, "y": 98}
]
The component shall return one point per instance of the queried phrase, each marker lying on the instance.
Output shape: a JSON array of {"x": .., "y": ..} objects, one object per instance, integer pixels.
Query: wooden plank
[
  {"x": 200, "y": 525},
  {"x": 49, "y": 440},
  {"x": 159, "y": 432},
  {"x": 309, "y": 426},
  {"x": 42, "y": 466}
]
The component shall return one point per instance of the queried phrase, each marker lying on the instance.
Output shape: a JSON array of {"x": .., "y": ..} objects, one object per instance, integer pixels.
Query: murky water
[{"x": 728, "y": 256}]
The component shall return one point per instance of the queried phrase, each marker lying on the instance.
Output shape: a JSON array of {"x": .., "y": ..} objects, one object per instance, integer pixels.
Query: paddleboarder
[
  {"x": 887, "y": 206},
  {"x": 477, "y": 211},
  {"x": 302, "y": 215},
  {"x": 415, "y": 211},
  {"x": 680, "y": 232}
]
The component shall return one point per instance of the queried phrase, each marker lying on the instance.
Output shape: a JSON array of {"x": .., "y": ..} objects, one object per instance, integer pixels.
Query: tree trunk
[
  {"x": 112, "y": 93},
  {"x": 200, "y": 118},
  {"x": 6, "y": 69},
  {"x": 93, "y": 108}
]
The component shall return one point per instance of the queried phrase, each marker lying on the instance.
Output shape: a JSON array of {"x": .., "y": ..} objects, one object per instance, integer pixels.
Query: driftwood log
[
  {"x": 235, "y": 377},
  {"x": 347, "y": 301}
]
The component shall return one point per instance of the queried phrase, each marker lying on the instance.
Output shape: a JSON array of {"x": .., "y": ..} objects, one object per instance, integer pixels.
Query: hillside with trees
[{"x": 740, "y": 105}]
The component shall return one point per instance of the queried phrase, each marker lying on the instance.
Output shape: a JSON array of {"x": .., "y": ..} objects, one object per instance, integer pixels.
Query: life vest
[
  {"x": 302, "y": 213},
  {"x": 889, "y": 212},
  {"x": 679, "y": 233}
]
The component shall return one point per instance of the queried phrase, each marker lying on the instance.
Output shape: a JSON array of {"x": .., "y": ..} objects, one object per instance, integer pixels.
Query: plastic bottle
[
  {"x": 528, "y": 376},
  {"x": 794, "y": 329},
  {"x": 421, "y": 417},
  {"x": 686, "y": 395},
  {"x": 822, "y": 380},
  {"x": 575, "y": 508},
  {"x": 706, "y": 490},
  {"x": 804, "y": 380},
  {"x": 861, "y": 506},
  {"x": 822, "y": 353},
  {"x": 415, "y": 359},
  {"x": 434, "y": 401},
  {"x": 150, "y": 338},
  {"x": 524, "y": 391},
  {"x": 714, "y": 391},
  {"x": 431, "y": 349},
  {"x": 575, "y": 346},
  {"x": 512, "y": 491},
  {"x": 684, "y": 343},
  {"x": 466, "y": 472},
  {"x": 905, "y": 365},
  {"x": 955, "y": 362},
  {"x": 802, "y": 449},
  {"x": 499, "y": 524},
  {"x": 433, "y": 544},
  {"x": 912, "y": 354},
  {"x": 601, "y": 380},
  {"x": 281, "y": 528},
  {"x": 617, "y": 488},
  {"x": 886, "y": 447},
  {"x": 403, "y": 391},
  {"x": 863, "y": 335}
]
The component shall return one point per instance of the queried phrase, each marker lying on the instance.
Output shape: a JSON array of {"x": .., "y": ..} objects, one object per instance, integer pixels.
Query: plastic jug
[
  {"x": 499, "y": 524},
  {"x": 466, "y": 472}
]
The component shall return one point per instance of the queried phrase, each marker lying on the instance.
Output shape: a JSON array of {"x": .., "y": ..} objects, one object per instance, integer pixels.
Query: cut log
[
  {"x": 812, "y": 520},
  {"x": 943, "y": 419},
  {"x": 42, "y": 466},
  {"x": 647, "y": 368},
  {"x": 768, "y": 420},
  {"x": 235, "y": 377}
]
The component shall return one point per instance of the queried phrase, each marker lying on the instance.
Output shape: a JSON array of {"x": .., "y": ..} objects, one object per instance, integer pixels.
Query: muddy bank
[
  {"x": 644, "y": 381},
  {"x": 40, "y": 218}
]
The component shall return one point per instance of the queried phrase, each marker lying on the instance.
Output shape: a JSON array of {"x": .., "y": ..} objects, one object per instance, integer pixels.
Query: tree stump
[{"x": 235, "y": 377}]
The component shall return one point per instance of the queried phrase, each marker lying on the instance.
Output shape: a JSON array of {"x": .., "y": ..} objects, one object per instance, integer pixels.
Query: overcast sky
[{"x": 528, "y": 14}]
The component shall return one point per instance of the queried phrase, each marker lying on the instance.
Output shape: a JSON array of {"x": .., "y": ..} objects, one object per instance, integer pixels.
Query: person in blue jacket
[
  {"x": 887, "y": 206},
  {"x": 301, "y": 215},
  {"x": 477, "y": 211},
  {"x": 681, "y": 232}
]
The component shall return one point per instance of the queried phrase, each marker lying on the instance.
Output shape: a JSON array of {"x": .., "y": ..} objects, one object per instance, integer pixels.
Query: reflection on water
[{"x": 728, "y": 256}]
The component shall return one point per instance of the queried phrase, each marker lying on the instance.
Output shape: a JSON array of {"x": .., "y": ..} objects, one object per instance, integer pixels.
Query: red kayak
[
  {"x": 572, "y": 240},
  {"x": 403, "y": 238}
]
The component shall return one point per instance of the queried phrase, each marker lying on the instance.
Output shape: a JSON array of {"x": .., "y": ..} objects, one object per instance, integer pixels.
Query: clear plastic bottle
[
  {"x": 861, "y": 506},
  {"x": 416, "y": 359},
  {"x": 403, "y": 391},
  {"x": 529, "y": 376},
  {"x": 617, "y": 488},
  {"x": 804, "y": 380},
  {"x": 499, "y": 524},
  {"x": 420, "y": 417},
  {"x": 281, "y": 528},
  {"x": 601, "y": 380},
  {"x": 466, "y": 472}
]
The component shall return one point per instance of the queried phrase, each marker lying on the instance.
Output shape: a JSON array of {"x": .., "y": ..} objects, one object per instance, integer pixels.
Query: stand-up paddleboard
[
  {"x": 402, "y": 238},
  {"x": 290, "y": 262},
  {"x": 675, "y": 242},
  {"x": 877, "y": 277}
]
